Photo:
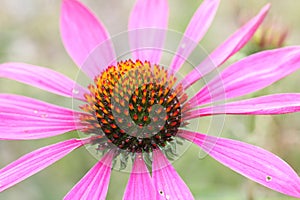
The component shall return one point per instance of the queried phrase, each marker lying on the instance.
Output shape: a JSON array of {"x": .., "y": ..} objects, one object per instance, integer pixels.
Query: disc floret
[{"x": 134, "y": 106}]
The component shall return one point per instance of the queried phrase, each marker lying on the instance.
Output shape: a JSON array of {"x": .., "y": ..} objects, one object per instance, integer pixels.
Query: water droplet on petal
[
  {"x": 167, "y": 196},
  {"x": 268, "y": 178},
  {"x": 183, "y": 45},
  {"x": 35, "y": 111},
  {"x": 44, "y": 115},
  {"x": 75, "y": 91}
]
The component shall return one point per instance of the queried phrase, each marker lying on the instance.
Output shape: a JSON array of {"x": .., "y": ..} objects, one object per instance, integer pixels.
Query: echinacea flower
[{"x": 136, "y": 108}]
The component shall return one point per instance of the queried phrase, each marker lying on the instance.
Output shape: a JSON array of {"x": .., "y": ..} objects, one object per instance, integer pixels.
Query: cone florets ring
[{"x": 134, "y": 106}]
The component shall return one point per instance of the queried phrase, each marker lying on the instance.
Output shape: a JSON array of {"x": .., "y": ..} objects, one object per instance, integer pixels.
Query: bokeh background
[{"x": 29, "y": 32}]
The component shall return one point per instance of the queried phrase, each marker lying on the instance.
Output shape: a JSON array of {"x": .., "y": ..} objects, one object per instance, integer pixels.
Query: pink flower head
[{"x": 137, "y": 108}]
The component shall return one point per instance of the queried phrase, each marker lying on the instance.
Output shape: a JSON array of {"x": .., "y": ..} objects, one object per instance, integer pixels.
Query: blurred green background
[{"x": 29, "y": 32}]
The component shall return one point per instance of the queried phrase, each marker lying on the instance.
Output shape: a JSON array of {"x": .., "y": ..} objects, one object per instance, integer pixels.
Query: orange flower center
[{"x": 134, "y": 106}]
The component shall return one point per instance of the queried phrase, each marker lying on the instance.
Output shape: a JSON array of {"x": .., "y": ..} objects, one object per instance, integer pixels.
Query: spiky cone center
[{"x": 134, "y": 106}]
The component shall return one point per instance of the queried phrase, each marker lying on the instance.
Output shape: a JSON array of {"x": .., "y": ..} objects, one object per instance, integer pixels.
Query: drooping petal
[
  {"x": 251, "y": 161},
  {"x": 250, "y": 74},
  {"x": 264, "y": 105},
  {"x": 166, "y": 180},
  {"x": 35, "y": 161},
  {"x": 26, "y": 118},
  {"x": 147, "y": 24},
  {"x": 81, "y": 33},
  {"x": 194, "y": 32},
  {"x": 228, "y": 48},
  {"x": 42, "y": 78},
  {"x": 94, "y": 185},
  {"x": 140, "y": 185}
]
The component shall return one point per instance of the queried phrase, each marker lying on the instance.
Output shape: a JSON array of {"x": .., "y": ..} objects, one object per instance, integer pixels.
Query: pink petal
[
  {"x": 150, "y": 17},
  {"x": 194, "y": 32},
  {"x": 26, "y": 118},
  {"x": 232, "y": 45},
  {"x": 94, "y": 185},
  {"x": 264, "y": 105},
  {"x": 34, "y": 162},
  {"x": 253, "y": 73},
  {"x": 42, "y": 78},
  {"x": 81, "y": 33},
  {"x": 30, "y": 128},
  {"x": 166, "y": 180},
  {"x": 12, "y": 103},
  {"x": 251, "y": 161},
  {"x": 140, "y": 185}
]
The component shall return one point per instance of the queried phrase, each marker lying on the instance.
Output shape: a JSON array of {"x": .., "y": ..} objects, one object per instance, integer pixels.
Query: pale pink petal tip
[
  {"x": 94, "y": 185},
  {"x": 140, "y": 184},
  {"x": 34, "y": 162},
  {"x": 81, "y": 33},
  {"x": 166, "y": 180},
  {"x": 251, "y": 161}
]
